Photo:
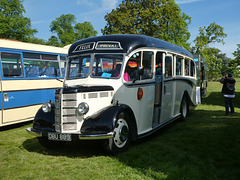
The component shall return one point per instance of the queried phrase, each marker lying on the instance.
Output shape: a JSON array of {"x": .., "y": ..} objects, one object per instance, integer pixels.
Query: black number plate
[{"x": 59, "y": 137}]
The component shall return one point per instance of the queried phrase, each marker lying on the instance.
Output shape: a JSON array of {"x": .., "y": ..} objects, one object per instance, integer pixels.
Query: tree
[
  {"x": 215, "y": 65},
  {"x": 13, "y": 25},
  {"x": 84, "y": 30},
  {"x": 68, "y": 31},
  {"x": 236, "y": 54},
  {"x": 217, "y": 62},
  {"x": 157, "y": 18},
  {"x": 53, "y": 41},
  {"x": 207, "y": 35}
]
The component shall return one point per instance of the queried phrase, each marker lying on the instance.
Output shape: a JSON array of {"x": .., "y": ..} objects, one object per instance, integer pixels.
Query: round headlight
[
  {"x": 83, "y": 108},
  {"x": 46, "y": 107}
]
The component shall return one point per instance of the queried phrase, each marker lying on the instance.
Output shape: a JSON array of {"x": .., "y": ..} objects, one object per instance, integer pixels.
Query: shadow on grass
[
  {"x": 71, "y": 149},
  {"x": 206, "y": 146},
  {"x": 14, "y": 126}
]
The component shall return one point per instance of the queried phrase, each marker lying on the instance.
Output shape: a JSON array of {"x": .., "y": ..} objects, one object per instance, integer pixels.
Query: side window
[
  {"x": 168, "y": 66},
  {"x": 131, "y": 70},
  {"x": 179, "y": 65},
  {"x": 147, "y": 64},
  {"x": 187, "y": 67},
  {"x": 192, "y": 69},
  {"x": 158, "y": 64},
  {"x": 140, "y": 65},
  {"x": 11, "y": 65},
  {"x": 40, "y": 65}
]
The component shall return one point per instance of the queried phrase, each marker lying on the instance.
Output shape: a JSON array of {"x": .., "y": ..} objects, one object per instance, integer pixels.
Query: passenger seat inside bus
[
  {"x": 5, "y": 72},
  {"x": 16, "y": 72},
  {"x": 33, "y": 72},
  {"x": 47, "y": 72}
]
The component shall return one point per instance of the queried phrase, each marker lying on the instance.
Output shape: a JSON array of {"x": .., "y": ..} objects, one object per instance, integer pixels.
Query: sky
[{"x": 203, "y": 12}]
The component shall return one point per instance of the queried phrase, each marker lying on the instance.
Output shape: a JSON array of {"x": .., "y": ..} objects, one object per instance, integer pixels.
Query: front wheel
[
  {"x": 184, "y": 108},
  {"x": 122, "y": 134}
]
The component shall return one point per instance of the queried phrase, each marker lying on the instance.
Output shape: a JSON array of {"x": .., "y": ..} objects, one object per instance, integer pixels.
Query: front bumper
[{"x": 39, "y": 133}]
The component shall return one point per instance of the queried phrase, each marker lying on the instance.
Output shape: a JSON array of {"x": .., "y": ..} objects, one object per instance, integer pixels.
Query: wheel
[
  {"x": 184, "y": 108},
  {"x": 122, "y": 135},
  {"x": 50, "y": 144}
]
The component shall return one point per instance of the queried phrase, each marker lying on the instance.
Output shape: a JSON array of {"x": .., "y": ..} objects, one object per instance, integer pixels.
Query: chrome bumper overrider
[
  {"x": 34, "y": 132},
  {"x": 80, "y": 136}
]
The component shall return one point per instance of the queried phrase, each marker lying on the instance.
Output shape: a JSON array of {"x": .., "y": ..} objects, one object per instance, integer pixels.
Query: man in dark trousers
[{"x": 228, "y": 91}]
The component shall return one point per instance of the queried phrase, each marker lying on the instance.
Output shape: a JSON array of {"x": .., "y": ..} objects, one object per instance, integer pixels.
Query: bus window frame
[
  {"x": 92, "y": 63},
  {"x": 182, "y": 65},
  {"x": 141, "y": 51},
  {"x": 172, "y": 66},
  {"x": 58, "y": 60},
  {"x": 22, "y": 65}
]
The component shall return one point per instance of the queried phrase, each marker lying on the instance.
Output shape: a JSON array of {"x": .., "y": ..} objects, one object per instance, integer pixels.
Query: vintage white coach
[{"x": 119, "y": 88}]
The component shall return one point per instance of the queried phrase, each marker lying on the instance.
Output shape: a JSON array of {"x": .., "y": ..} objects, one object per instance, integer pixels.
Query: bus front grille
[{"x": 65, "y": 114}]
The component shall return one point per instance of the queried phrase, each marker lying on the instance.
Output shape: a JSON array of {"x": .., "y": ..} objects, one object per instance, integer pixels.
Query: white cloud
[
  {"x": 109, "y": 4},
  {"x": 186, "y": 1}
]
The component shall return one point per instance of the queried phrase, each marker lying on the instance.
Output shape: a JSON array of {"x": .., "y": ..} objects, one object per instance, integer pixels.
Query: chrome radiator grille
[{"x": 65, "y": 114}]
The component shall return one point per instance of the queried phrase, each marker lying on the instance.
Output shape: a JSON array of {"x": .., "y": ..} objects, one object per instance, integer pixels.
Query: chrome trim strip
[{"x": 96, "y": 136}]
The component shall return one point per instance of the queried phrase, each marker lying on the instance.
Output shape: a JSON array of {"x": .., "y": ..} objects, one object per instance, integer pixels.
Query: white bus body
[{"x": 119, "y": 88}]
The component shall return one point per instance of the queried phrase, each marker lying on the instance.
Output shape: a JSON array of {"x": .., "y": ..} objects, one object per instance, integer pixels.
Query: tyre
[
  {"x": 122, "y": 135},
  {"x": 184, "y": 108},
  {"x": 50, "y": 144}
]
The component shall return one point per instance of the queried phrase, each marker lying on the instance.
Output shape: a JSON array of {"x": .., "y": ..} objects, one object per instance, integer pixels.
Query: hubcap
[{"x": 121, "y": 132}]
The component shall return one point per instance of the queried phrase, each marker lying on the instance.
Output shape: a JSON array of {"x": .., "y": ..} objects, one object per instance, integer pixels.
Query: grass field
[{"x": 205, "y": 146}]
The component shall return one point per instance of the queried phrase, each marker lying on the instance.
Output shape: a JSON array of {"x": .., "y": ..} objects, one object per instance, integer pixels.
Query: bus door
[
  {"x": 167, "y": 89},
  {"x": 147, "y": 101},
  {"x": 11, "y": 71},
  {"x": 158, "y": 89}
]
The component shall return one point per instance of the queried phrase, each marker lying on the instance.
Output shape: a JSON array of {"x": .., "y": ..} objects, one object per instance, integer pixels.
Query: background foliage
[
  {"x": 13, "y": 25},
  {"x": 68, "y": 31},
  {"x": 157, "y": 18}
]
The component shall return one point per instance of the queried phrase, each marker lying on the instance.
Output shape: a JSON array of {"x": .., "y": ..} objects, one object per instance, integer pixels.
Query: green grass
[{"x": 206, "y": 146}]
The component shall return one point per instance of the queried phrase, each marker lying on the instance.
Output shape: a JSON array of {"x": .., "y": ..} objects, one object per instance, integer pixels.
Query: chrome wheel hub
[{"x": 121, "y": 133}]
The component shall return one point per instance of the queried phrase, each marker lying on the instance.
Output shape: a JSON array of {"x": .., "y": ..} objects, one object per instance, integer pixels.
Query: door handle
[{"x": 5, "y": 97}]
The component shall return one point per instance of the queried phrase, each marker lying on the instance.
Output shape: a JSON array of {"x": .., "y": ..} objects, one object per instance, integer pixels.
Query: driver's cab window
[{"x": 139, "y": 66}]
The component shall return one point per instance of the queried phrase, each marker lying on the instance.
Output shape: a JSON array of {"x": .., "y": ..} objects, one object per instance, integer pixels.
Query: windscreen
[
  {"x": 107, "y": 65},
  {"x": 78, "y": 67}
]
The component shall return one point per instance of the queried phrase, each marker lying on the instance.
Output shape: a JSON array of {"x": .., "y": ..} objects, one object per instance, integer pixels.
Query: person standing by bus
[{"x": 228, "y": 91}]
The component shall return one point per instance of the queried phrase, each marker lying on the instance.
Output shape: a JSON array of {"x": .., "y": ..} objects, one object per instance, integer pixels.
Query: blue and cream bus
[
  {"x": 28, "y": 75},
  {"x": 118, "y": 88}
]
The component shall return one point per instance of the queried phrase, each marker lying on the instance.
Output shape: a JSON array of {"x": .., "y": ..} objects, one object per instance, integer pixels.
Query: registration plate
[{"x": 59, "y": 137}]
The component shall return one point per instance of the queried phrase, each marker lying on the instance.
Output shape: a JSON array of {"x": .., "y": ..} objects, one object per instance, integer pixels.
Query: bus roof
[
  {"x": 122, "y": 43},
  {"x": 18, "y": 45}
]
